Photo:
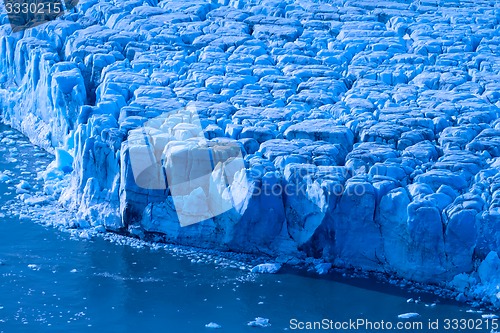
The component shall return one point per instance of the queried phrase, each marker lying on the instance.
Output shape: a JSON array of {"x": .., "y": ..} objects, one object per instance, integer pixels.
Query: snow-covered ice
[{"x": 365, "y": 134}]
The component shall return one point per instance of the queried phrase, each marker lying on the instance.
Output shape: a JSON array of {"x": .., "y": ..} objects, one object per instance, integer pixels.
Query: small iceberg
[
  {"x": 3, "y": 177},
  {"x": 408, "y": 315},
  {"x": 213, "y": 325},
  {"x": 259, "y": 322},
  {"x": 489, "y": 316}
]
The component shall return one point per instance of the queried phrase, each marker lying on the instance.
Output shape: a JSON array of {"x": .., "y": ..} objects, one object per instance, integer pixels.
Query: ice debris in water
[
  {"x": 489, "y": 316},
  {"x": 34, "y": 267},
  {"x": 259, "y": 322},
  {"x": 24, "y": 185},
  {"x": 213, "y": 325},
  {"x": 3, "y": 177},
  {"x": 408, "y": 315}
]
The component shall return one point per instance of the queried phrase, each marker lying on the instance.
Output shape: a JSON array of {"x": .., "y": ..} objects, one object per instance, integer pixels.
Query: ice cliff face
[{"x": 376, "y": 124}]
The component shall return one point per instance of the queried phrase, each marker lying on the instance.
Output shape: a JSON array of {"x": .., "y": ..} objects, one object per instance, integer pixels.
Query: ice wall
[{"x": 381, "y": 117}]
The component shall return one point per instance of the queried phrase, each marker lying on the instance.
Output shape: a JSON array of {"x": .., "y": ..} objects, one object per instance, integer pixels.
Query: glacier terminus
[{"x": 363, "y": 134}]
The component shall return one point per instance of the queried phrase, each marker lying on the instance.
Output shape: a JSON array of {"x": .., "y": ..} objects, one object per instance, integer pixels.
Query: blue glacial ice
[{"x": 365, "y": 134}]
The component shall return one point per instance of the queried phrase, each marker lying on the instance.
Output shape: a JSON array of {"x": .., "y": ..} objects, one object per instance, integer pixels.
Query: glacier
[{"x": 365, "y": 134}]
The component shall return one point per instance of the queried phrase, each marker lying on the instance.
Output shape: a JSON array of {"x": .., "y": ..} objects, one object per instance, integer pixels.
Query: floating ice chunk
[
  {"x": 34, "y": 267},
  {"x": 213, "y": 325},
  {"x": 24, "y": 185},
  {"x": 8, "y": 142},
  {"x": 259, "y": 322},
  {"x": 408, "y": 315},
  {"x": 4, "y": 177},
  {"x": 489, "y": 316},
  {"x": 33, "y": 201},
  {"x": 266, "y": 268}
]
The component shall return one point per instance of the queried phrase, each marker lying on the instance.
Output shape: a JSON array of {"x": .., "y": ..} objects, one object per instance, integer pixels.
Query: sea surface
[{"x": 52, "y": 281}]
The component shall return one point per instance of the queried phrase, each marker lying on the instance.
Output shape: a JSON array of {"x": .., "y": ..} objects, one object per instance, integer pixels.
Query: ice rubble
[{"x": 382, "y": 117}]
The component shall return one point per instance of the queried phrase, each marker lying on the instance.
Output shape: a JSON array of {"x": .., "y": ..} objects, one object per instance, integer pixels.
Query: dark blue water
[{"x": 51, "y": 281}]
